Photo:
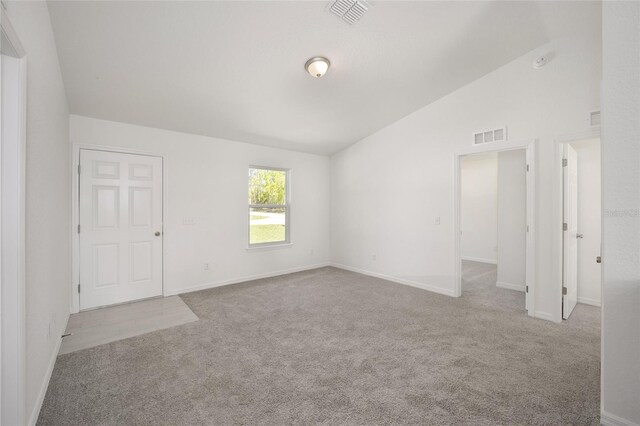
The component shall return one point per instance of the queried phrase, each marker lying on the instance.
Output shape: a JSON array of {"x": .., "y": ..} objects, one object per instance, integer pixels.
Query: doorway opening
[
  {"x": 493, "y": 232},
  {"x": 493, "y": 236},
  {"x": 581, "y": 224}
]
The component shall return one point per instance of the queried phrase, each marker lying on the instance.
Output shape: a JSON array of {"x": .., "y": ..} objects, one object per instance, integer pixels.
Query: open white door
[
  {"x": 570, "y": 231},
  {"x": 120, "y": 227}
]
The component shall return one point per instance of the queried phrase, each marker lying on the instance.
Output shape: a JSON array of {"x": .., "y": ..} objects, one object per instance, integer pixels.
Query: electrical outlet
[
  {"x": 206, "y": 266},
  {"x": 189, "y": 221},
  {"x": 437, "y": 220}
]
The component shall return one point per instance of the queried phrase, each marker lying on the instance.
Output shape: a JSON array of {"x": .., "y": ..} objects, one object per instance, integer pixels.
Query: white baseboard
[
  {"x": 588, "y": 301},
  {"x": 510, "y": 286},
  {"x": 422, "y": 286},
  {"x": 609, "y": 419},
  {"x": 243, "y": 279},
  {"x": 545, "y": 316},
  {"x": 479, "y": 259},
  {"x": 35, "y": 412}
]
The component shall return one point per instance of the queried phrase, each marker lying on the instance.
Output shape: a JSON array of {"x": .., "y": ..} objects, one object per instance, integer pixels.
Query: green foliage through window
[{"x": 267, "y": 186}]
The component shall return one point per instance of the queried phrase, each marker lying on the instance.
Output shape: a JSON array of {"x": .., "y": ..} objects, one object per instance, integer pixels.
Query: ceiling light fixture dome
[{"x": 317, "y": 66}]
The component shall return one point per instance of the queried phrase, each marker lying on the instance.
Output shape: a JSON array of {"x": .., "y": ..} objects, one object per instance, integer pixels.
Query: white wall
[
  {"x": 589, "y": 220},
  {"x": 48, "y": 191},
  {"x": 479, "y": 207},
  {"x": 512, "y": 219},
  {"x": 621, "y": 225},
  {"x": 207, "y": 180},
  {"x": 389, "y": 188}
]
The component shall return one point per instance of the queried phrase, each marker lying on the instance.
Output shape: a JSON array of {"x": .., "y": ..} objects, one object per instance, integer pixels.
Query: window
[{"x": 268, "y": 206}]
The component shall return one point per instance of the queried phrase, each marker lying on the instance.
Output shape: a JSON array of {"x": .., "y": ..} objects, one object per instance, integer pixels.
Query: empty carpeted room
[{"x": 340, "y": 212}]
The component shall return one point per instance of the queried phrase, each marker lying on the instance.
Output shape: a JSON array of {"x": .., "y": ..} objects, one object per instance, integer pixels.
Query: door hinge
[
  {"x": 565, "y": 227},
  {"x": 565, "y": 162},
  {"x": 78, "y": 168},
  {"x": 564, "y": 291},
  {"x": 78, "y": 288},
  {"x": 526, "y": 289},
  {"x": 527, "y": 228},
  {"x": 78, "y": 228},
  {"x": 527, "y": 167}
]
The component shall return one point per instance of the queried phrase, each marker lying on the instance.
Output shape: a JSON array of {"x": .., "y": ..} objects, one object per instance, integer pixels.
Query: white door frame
[
  {"x": 529, "y": 147},
  {"x": 557, "y": 214},
  {"x": 12, "y": 249},
  {"x": 75, "y": 212}
]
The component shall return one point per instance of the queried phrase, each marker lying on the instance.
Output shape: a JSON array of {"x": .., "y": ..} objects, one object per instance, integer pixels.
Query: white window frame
[{"x": 286, "y": 206}]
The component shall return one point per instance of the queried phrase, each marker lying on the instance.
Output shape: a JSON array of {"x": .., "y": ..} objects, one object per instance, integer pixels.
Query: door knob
[{"x": 157, "y": 234}]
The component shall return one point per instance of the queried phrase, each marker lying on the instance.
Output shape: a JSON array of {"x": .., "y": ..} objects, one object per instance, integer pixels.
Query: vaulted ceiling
[{"x": 234, "y": 69}]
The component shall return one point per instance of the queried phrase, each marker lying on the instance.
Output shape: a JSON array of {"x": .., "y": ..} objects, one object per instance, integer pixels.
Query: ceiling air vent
[
  {"x": 495, "y": 135},
  {"x": 594, "y": 118},
  {"x": 350, "y": 11}
]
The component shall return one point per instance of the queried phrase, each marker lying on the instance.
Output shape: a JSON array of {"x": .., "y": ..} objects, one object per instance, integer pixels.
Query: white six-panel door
[{"x": 120, "y": 227}]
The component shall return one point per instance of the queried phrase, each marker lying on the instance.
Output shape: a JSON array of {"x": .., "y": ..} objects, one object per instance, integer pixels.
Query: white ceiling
[{"x": 235, "y": 69}]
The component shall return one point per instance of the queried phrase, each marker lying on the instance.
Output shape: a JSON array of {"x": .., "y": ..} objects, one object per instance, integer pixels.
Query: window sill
[{"x": 269, "y": 247}]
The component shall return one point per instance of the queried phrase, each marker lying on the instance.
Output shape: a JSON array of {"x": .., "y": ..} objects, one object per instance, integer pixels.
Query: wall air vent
[
  {"x": 495, "y": 135},
  {"x": 594, "y": 118},
  {"x": 350, "y": 11}
]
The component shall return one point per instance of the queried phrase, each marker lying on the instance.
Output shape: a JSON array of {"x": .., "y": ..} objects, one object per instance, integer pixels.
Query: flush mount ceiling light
[{"x": 317, "y": 66}]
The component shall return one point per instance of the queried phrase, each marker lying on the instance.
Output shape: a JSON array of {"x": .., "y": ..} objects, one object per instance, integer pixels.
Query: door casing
[
  {"x": 13, "y": 408},
  {"x": 75, "y": 212}
]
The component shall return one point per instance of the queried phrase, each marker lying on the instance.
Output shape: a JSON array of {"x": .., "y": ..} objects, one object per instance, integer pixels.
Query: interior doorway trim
[
  {"x": 12, "y": 250},
  {"x": 75, "y": 212},
  {"x": 529, "y": 147},
  {"x": 557, "y": 214}
]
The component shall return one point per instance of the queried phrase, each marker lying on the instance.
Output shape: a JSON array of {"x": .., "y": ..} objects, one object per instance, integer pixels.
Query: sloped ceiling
[{"x": 234, "y": 69}]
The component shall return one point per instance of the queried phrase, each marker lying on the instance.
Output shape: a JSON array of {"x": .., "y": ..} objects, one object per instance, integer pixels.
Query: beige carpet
[
  {"x": 479, "y": 287},
  {"x": 334, "y": 347}
]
